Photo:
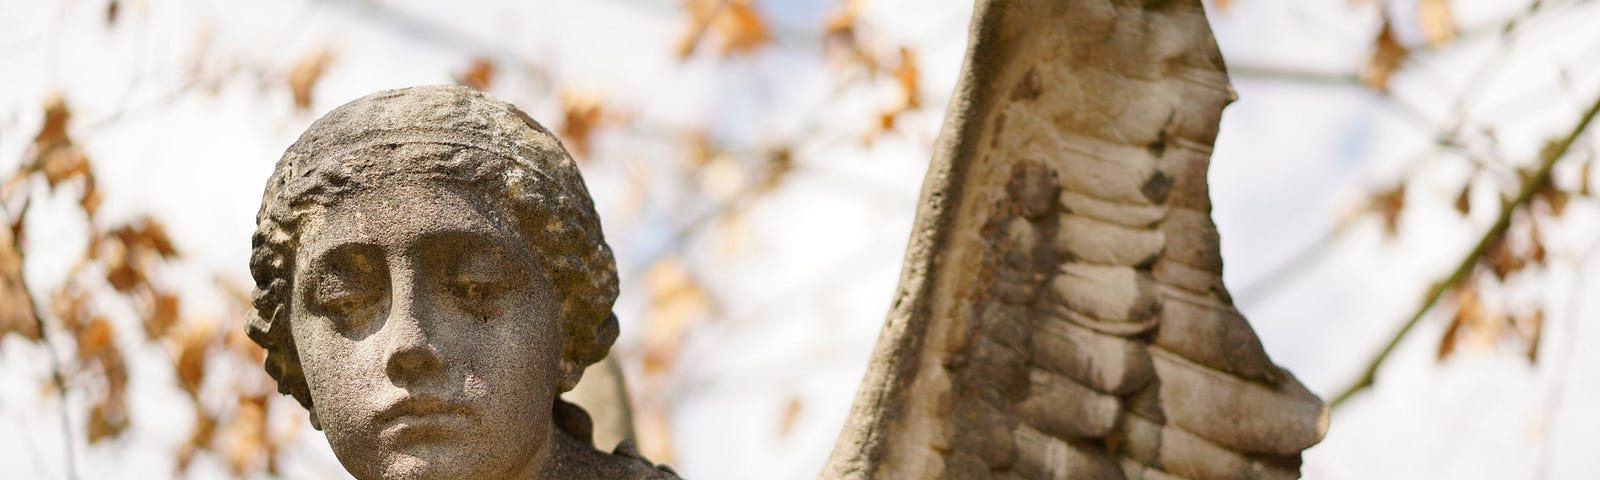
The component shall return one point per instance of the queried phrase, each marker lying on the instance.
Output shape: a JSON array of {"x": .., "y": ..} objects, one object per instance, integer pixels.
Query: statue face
[{"x": 428, "y": 335}]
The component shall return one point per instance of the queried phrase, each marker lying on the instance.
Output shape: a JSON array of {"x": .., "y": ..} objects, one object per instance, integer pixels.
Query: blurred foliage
[
  {"x": 119, "y": 270},
  {"x": 123, "y": 267}
]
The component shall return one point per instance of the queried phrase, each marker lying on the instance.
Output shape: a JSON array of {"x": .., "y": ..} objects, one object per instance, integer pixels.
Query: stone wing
[{"x": 1061, "y": 312}]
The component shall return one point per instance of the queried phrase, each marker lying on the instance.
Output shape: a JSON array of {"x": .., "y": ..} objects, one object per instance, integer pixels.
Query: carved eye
[
  {"x": 348, "y": 304},
  {"x": 472, "y": 291},
  {"x": 344, "y": 283}
]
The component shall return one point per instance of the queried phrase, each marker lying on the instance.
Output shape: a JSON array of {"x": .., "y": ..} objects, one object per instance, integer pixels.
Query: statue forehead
[{"x": 406, "y": 206}]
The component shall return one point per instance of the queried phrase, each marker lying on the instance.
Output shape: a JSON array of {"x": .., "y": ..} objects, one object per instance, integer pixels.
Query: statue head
[{"x": 430, "y": 275}]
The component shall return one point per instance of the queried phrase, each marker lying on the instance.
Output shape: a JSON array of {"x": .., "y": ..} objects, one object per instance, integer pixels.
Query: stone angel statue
[{"x": 431, "y": 276}]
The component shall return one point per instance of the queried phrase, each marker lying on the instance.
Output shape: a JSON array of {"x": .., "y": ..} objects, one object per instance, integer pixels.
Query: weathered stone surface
[
  {"x": 1189, "y": 278},
  {"x": 1244, "y": 416},
  {"x": 1034, "y": 186},
  {"x": 983, "y": 429},
  {"x": 1185, "y": 162},
  {"x": 1175, "y": 452},
  {"x": 1192, "y": 240},
  {"x": 1061, "y": 407},
  {"x": 1043, "y": 456},
  {"x": 965, "y": 465},
  {"x": 1213, "y": 333},
  {"x": 430, "y": 276},
  {"x": 1002, "y": 368},
  {"x": 1137, "y": 471},
  {"x": 1099, "y": 242},
  {"x": 1103, "y": 169},
  {"x": 1132, "y": 215},
  {"x": 1107, "y": 294},
  {"x": 1107, "y": 363}
]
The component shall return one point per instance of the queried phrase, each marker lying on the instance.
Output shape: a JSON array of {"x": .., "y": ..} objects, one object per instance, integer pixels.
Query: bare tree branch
[{"x": 1530, "y": 185}]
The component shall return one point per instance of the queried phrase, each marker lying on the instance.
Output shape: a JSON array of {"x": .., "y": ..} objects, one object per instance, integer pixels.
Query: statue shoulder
[{"x": 638, "y": 466}]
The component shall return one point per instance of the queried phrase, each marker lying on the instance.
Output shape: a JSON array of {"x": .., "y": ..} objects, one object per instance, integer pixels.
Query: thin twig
[
  {"x": 1530, "y": 185},
  {"x": 44, "y": 339}
]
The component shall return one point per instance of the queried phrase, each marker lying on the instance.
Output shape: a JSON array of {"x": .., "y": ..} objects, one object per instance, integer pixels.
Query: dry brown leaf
[
  {"x": 1531, "y": 329},
  {"x": 735, "y": 25},
  {"x": 1474, "y": 325},
  {"x": 582, "y": 114},
  {"x": 1464, "y": 199},
  {"x": 70, "y": 305},
  {"x": 740, "y": 28},
  {"x": 906, "y": 75},
  {"x": 1389, "y": 205},
  {"x": 791, "y": 413},
  {"x": 97, "y": 348},
  {"x": 191, "y": 363},
  {"x": 1386, "y": 56},
  {"x": 885, "y": 124},
  {"x": 162, "y": 316},
  {"x": 478, "y": 74},
  {"x": 676, "y": 300},
  {"x": 1500, "y": 259},
  {"x": 841, "y": 23},
  {"x": 200, "y": 437},
  {"x": 1447, "y": 342},
  {"x": 123, "y": 271},
  {"x": 1554, "y": 197},
  {"x": 840, "y": 35},
  {"x": 780, "y": 162},
  {"x": 701, "y": 151},
  {"x": 1537, "y": 252},
  {"x": 146, "y": 234},
  {"x": 106, "y": 420},
  {"x": 305, "y": 75},
  {"x": 54, "y": 128},
  {"x": 90, "y": 200},
  {"x": 95, "y": 339},
  {"x": 1437, "y": 22},
  {"x": 16, "y": 304},
  {"x": 1583, "y": 176},
  {"x": 700, "y": 13},
  {"x": 61, "y": 162},
  {"x": 248, "y": 443}
]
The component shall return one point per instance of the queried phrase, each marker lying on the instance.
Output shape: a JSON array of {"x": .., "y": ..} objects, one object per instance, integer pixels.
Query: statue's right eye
[
  {"x": 338, "y": 298},
  {"x": 344, "y": 285}
]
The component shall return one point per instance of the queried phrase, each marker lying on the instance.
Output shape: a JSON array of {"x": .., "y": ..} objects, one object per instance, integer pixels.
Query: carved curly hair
[{"x": 455, "y": 135}]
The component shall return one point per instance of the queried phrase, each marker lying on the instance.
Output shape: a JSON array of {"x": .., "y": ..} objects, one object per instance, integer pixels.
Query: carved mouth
[{"x": 422, "y": 407}]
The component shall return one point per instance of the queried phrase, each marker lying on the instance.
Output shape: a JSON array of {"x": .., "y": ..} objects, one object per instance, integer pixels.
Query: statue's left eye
[{"x": 472, "y": 291}]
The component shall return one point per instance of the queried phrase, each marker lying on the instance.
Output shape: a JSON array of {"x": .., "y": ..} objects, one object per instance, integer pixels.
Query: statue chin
[{"x": 435, "y": 457}]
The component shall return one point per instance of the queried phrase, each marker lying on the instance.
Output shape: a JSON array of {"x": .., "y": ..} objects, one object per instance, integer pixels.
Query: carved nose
[
  {"x": 412, "y": 355},
  {"x": 412, "y": 363}
]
